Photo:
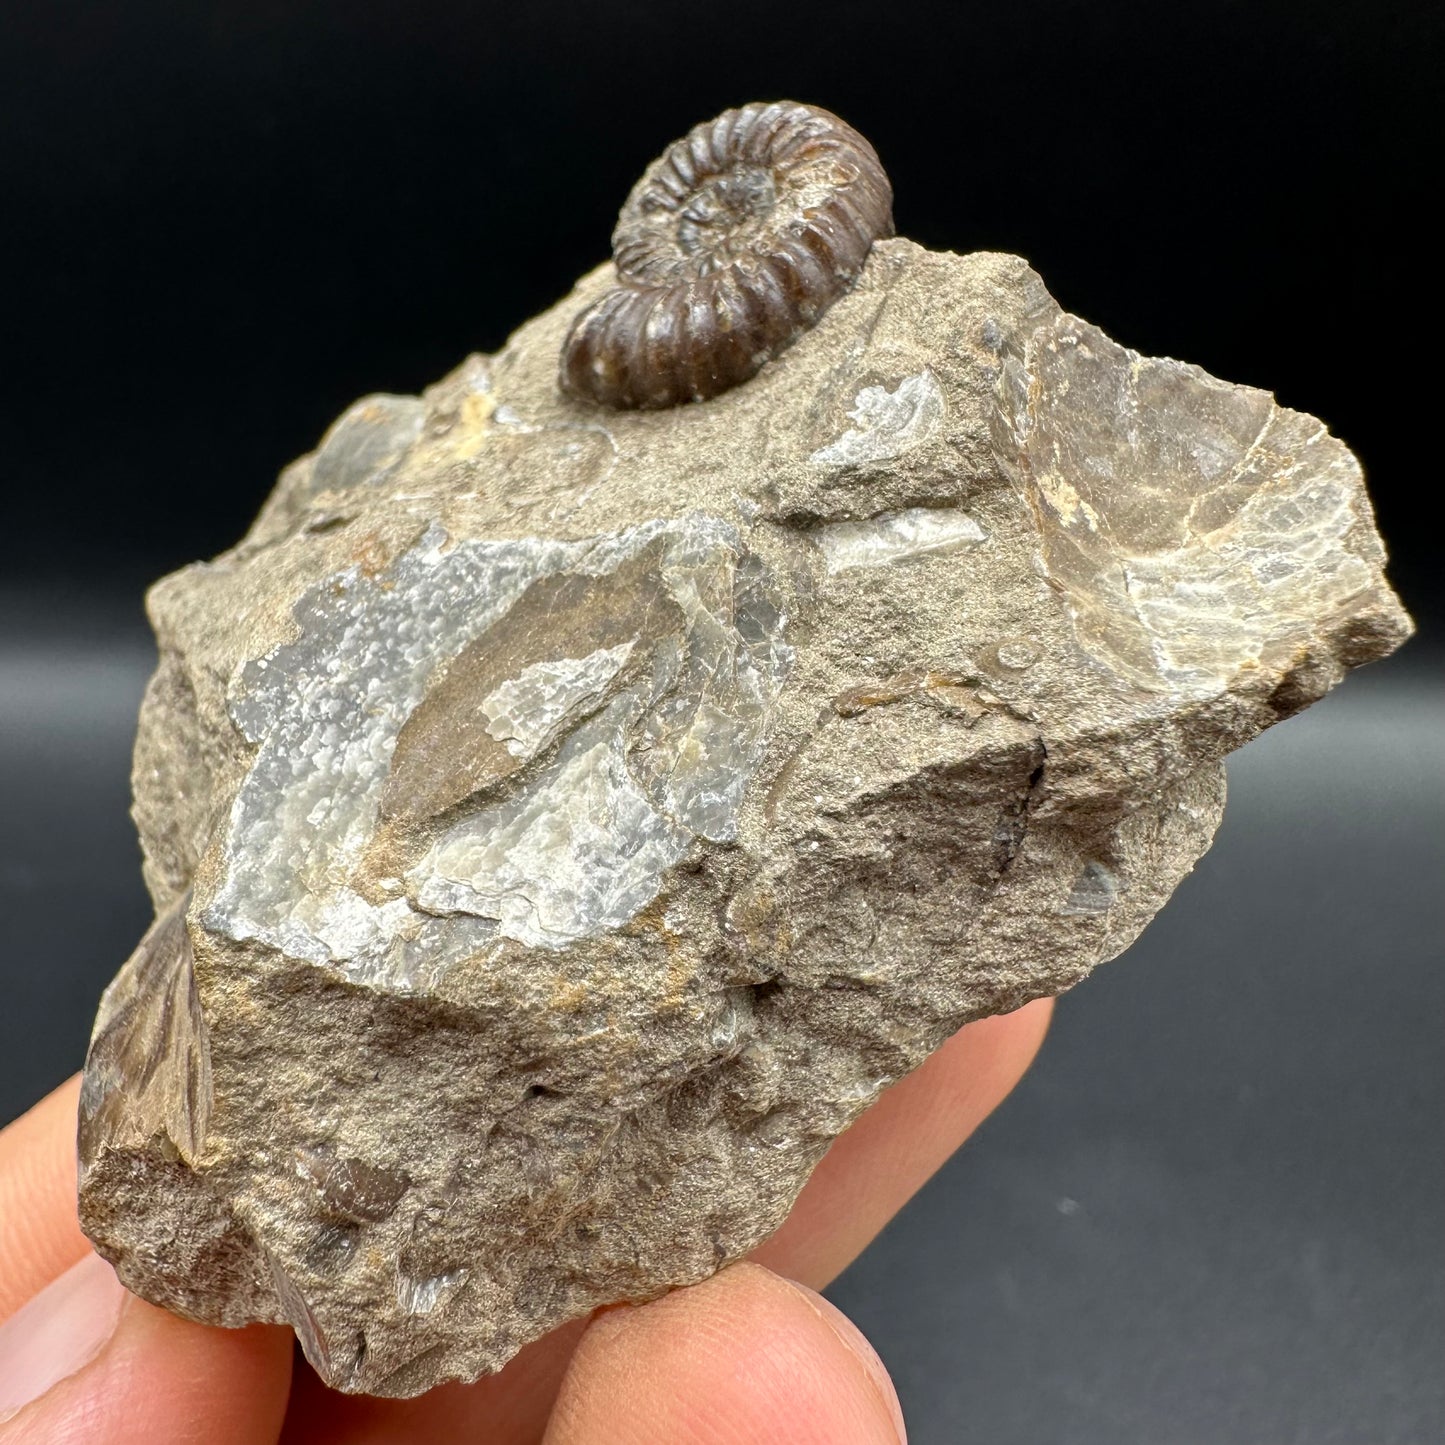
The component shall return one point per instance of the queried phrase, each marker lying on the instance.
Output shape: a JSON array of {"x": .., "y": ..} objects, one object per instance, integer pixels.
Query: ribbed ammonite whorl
[{"x": 733, "y": 243}]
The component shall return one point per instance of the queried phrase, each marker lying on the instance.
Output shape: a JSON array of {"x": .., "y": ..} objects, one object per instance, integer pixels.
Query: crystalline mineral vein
[{"x": 562, "y": 823}]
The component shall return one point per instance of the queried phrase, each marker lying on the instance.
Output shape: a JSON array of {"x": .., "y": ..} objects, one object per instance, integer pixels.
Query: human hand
[{"x": 749, "y": 1356}]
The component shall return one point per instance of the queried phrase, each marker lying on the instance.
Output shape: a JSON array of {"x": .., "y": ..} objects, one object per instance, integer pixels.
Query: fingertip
[
  {"x": 39, "y": 1234},
  {"x": 876, "y": 1166},
  {"x": 85, "y": 1361},
  {"x": 232, "y": 1385},
  {"x": 1005, "y": 1043},
  {"x": 743, "y": 1358},
  {"x": 860, "y": 1346}
]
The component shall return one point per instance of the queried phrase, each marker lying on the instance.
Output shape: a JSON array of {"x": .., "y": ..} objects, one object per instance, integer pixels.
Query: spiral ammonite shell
[{"x": 733, "y": 243}]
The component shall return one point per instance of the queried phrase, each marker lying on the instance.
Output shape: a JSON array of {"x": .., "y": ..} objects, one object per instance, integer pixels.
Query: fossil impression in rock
[{"x": 565, "y": 814}]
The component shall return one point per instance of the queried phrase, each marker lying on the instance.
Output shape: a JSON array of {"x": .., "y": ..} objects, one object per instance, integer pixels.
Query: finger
[
  {"x": 869, "y": 1173},
  {"x": 507, "y": 1408},
  {"x": 83, "y": 1360},
  {"x": 874, "y": 1168},
  {"x": 39, "y": 1235},
  {"x": 867, "y": 1176},
  {"x": 745, "y": 1358},
  {"x": 86, "y": 1363},
  {"x": 40, "y": 1239}
]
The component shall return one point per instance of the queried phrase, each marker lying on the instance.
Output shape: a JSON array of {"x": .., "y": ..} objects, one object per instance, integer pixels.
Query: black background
[
  {"x": 225, "y": 221},
  {"x": 1213, "y": 1212}
]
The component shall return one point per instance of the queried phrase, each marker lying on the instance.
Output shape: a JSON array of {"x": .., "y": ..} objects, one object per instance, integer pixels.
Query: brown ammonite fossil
[{"x": 733, "y": 243}]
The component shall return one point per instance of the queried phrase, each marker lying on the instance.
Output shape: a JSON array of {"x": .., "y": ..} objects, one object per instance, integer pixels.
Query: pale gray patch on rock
[
  {"x": 1094, "y": 890},
  {"x": 889, "y": 423},
  {"x": 368, "y": 651},
  {"x": 524, "y": 712},
  {"x": 1018, "y": 654},
  {"x": 896, "y": 536},
  {"x": 367, "y": 443},
  {"x": 580, "y": 850},
  {"x": 422, "y": 1296}
]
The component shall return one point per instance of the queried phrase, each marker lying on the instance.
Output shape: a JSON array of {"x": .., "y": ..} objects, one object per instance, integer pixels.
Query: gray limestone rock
[{"x": 562, "y": 822}]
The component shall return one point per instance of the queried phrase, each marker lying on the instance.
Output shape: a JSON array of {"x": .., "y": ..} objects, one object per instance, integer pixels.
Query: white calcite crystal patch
[
  {"x": 584, "y": 850},
  {"x": 562, "y": 823},
  {"x": 917, "y": 532},
  {"x": 887, "y": 422},
  {"x": 525, "y": 711},
  {"x": 577, "y": 847}
]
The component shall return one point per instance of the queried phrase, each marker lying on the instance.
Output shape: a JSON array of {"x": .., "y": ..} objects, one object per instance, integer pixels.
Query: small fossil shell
[{"x": 733, "y": 243}]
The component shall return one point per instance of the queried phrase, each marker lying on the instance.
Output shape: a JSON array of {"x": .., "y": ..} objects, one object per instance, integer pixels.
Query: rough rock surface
[{"x": 562, "y": 823}]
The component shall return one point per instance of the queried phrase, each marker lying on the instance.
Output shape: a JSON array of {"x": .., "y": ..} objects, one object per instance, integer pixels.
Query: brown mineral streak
[
  {"x": 681, "y": 971},
  {"x": 442, "y": 755},
  {"x": 947, "y": 688},
  {"x": 768, "y": 833}
]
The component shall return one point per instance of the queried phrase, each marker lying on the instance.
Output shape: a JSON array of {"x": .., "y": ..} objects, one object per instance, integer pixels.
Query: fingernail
[
  {"x": 58, "y": 1332},
  {"x": 857, "y": 1343}
]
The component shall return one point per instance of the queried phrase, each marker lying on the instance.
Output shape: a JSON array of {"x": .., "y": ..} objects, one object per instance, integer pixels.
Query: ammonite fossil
[{"x": 733, "y": 243}]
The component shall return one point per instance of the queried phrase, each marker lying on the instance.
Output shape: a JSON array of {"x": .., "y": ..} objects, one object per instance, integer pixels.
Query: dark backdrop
[
  {"x": 1213, "y": 1213},
  {"x": 226, "y": 219}
]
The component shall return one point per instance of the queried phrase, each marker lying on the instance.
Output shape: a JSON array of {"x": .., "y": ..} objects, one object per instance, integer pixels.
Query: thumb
[
  {"x": 745, "y": 1358},
  {"x": 86, "y": 1361}
]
